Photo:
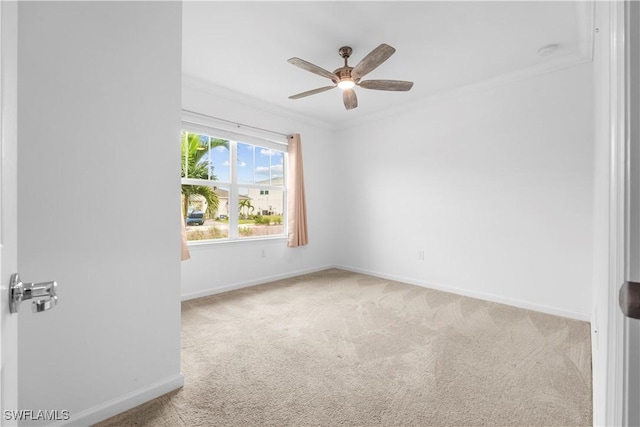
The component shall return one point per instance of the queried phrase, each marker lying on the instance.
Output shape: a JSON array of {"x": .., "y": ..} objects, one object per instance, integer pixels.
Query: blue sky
[{"x": 255, "y": 164}]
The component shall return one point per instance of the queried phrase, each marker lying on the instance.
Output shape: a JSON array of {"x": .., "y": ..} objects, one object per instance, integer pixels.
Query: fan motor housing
[{"x": 343, "y": 73}]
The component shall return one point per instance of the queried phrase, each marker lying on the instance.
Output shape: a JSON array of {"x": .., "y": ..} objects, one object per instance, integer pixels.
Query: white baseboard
[
  {"x": 131, "y": 400},
  {"x": 586, "y": 317},
  {"x": 254, "y": 282},
  {"x": 123, "y": 403}
]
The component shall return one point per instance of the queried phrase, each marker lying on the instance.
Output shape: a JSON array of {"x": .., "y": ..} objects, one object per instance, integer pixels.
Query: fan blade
[
  {"x": 350, "y": 99},
  {"x": 370, "y": 62},
  {"x": 311, "y": 92},
  {"x": 311, "y": 67},
  {"x": 396, "y": 85}
]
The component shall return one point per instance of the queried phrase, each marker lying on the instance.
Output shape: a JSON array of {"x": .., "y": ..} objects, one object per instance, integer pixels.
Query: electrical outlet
[
  {"x": 263, "y": 253},
  {"x": 420, "y": 255}
]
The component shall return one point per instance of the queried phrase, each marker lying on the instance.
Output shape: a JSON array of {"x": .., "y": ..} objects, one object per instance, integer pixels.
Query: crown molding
[
  {"x": 585, "y": 18},
  {"x": 246, "y": 100},
  {"x": 527, "y": 73},
  {"x": 560, "y": 63}
]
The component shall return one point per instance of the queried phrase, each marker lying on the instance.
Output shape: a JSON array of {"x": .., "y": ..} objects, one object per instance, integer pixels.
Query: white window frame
[{"x": 234, "y": 133}]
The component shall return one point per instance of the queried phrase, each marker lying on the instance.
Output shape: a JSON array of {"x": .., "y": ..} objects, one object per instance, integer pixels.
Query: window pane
[
  {"x": 246, "y": 163},
  {"x": 269, "y": 166},
  {"x": 277, "y": 168},
  {"x": 260, "y": 212},
  {"x": 260, "y": 165},
  {"x": 219, "y": 160},
  {"x": 206, "y": 212},
  {"x": 204, "y": 157}
]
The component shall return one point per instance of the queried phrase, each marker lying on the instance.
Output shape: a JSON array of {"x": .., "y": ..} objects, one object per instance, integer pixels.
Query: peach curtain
[
  {"x": 297, "y": 221},
  {"x": 185, "y": 248}
]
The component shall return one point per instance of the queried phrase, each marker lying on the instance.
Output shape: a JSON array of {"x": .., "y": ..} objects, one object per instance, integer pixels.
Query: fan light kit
[
  {"x": 347, "y": 78},
  {"x": 346, "y": 84}
]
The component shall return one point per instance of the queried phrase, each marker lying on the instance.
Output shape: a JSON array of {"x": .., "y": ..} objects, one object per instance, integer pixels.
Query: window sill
[{"x": 201, "y": 244}]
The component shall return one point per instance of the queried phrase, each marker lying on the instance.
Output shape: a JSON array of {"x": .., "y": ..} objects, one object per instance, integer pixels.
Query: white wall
[
  {"x": 494, "y": 185},
  {"x": 99, "y": 117},
  {"x": 223, "y": 266}
]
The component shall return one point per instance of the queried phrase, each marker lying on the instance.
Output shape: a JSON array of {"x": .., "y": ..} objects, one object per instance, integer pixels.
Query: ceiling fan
[{"x": 346, "y": 77}]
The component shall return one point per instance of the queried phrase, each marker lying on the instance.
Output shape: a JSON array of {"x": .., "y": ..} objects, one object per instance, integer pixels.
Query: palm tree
[
  {"x": 193, "y": 150},
  {"x": 246, "y": 204}
]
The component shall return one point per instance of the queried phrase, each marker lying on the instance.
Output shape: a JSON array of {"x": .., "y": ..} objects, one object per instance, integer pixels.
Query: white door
[{"x": 8, "y": 209}]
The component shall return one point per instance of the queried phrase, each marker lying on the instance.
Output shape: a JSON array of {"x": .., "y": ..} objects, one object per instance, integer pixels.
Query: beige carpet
[{"x": 339, "y": 348}]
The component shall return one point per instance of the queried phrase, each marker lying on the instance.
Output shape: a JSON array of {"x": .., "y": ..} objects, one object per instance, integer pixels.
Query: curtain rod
[{"x": 238, "y": 125}]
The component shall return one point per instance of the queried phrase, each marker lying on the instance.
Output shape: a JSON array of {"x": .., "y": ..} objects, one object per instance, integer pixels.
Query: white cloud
[
  {"x": 225, "y": 163},
  {"x": 242, "y": 164},
  {"x": 264, "y": 170},
  {"x": 267, "y": 152}
]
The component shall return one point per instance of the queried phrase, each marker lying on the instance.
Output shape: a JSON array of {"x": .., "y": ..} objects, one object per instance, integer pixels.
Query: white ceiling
[{"x": 244, "y": 46}]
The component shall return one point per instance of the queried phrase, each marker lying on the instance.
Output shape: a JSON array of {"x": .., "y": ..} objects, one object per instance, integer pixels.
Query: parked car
[{"x": 195, "y": 218}]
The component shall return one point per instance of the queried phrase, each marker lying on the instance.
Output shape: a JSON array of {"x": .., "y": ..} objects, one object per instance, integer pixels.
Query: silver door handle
[
  {"x": 629, "y": 298},
  {"x": 43, "y": 293}
]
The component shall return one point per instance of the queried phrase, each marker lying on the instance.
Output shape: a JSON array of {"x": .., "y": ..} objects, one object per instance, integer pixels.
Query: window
[{"x": 232, "y": 200}]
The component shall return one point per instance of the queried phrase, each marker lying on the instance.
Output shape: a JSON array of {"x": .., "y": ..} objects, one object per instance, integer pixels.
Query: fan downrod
[{"x": 345, "y": 52}]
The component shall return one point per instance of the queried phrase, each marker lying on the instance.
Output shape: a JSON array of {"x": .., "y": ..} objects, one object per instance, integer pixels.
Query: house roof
[{"x": 224, "y": 194}]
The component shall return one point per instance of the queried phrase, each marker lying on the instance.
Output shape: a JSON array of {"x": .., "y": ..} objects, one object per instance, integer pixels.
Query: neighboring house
[
  {"x": 198, "y": 203},
  {"x": 268, "y": 202},
  {"x": 223, "y": 202}
]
